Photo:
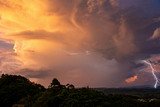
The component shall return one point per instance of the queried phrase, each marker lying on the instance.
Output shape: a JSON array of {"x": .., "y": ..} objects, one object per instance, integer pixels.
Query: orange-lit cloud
[
  {"x": 156, "y": 34},
  {"x": 50, "y": 26},
  {"x": 73, "y": 39},
  {"x": 36, "y": 26},
  {"x": 131, "y": 79}
]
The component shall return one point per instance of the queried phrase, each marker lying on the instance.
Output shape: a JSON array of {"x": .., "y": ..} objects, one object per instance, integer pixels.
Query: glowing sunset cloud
[{"x": 87, "y": 42}]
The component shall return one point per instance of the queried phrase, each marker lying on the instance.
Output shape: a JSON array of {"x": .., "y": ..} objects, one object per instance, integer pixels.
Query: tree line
[{"x": 18, "y": 91}]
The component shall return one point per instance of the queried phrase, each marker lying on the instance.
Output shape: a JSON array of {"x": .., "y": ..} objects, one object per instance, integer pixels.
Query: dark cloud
[
  {"x": 5, "y": 46},
  {"x": 40, "y": 34},
  {"x": 117, "y": 34},
  {"x": 121, "y": 32}
]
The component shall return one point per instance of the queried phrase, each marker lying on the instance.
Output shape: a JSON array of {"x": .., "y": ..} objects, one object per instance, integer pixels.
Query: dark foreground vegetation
[{"x": 17, "y": 91}]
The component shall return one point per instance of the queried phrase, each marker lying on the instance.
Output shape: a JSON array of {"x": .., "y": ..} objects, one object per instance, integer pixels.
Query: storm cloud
[{"x": 84, "y": 42}]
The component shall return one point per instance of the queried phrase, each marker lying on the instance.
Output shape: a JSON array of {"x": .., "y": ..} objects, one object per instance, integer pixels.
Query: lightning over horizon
[{"x": 153, "y": 72}]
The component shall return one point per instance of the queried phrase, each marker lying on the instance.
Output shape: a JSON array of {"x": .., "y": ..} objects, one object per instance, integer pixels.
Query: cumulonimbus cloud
[{"x": 115, "y": 32}]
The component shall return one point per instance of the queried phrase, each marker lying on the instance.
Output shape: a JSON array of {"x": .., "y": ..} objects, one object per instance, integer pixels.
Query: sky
[{"x": 96, "y": 43}]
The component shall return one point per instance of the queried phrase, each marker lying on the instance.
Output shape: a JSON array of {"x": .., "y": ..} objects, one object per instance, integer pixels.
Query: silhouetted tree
[
  {"x": 55, "y": 83},
  {"x": 70, "y": 86},
  {"x": 13, "y": 88},
  {"x": 19, "y": 91}
]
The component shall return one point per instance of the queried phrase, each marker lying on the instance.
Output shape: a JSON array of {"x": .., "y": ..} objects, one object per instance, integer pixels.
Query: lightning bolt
[{"x": 153, "y": 72}]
